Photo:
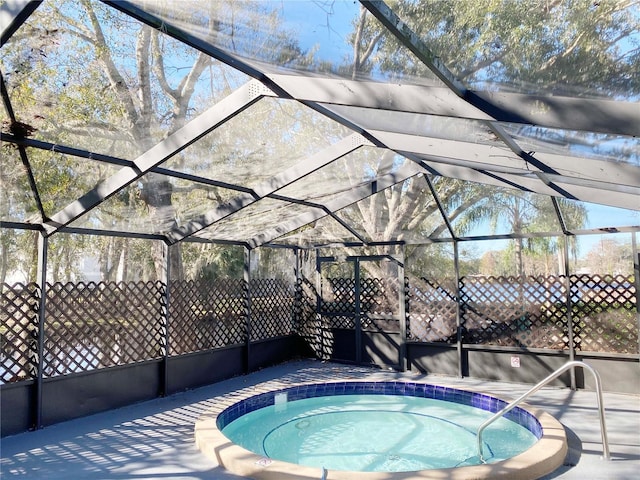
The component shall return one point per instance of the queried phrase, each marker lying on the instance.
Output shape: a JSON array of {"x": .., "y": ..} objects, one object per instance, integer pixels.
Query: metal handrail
[{"x": 538, "y": 386}]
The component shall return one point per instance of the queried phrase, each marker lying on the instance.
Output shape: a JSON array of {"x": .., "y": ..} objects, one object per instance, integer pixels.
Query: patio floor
[{"x": 154, "y": 440}]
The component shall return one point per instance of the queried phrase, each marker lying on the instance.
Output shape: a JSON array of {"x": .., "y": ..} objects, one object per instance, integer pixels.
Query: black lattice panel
[
  {"x": 432, "y": 310},
  {"x": 511, "y": 311},
  {"x": 604, "y": 313},
  {"x": 379, "y": 304},
  {"x": 272, "y": 308},
  {"x": 309, "y": 326},
  {"x": 339, "y": 296},
  {"x": 18, "y": 331},
  {"x": 339, "y": 321},
  {"x": 338, "y": 303},
  {"x": 546, "y": 299},
  {"x": 205, "y": 314},
  {"x": 96, "y": 325}
]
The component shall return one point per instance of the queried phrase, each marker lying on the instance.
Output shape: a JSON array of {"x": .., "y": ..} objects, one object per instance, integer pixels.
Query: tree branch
[
  {"x": 115, "y": 78},
  {"x": 144, "y": 78}
]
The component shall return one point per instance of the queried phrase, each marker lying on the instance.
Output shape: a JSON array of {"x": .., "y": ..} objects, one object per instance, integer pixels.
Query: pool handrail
[{"x": 538, "y": 386}]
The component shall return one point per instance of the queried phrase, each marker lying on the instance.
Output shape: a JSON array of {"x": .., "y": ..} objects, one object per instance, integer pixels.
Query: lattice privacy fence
[
  {"x": 309, "y": 324},
  {"x": 379, "y": 303},
  {"x": 206, "y": 314},
  {"x": 604, "y": 313},
  {"x": 532, "y": 312},
  {"x": 510, "y": 311},
  {"x": 95, "y": 325},
  {"x": 18, "y": 331},
  {"x": 431, "y": 309},
  {"x": 338, "y": 303},
  {"x": 272, "y": 308},
  {"x": 514, "y": 311}
]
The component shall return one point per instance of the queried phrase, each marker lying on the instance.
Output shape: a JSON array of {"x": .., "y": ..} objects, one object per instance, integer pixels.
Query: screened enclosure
[{"x": 194, "y": 190}]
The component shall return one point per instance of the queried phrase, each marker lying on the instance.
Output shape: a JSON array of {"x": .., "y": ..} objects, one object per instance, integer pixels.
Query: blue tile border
[{"x": 449, "y": 394}]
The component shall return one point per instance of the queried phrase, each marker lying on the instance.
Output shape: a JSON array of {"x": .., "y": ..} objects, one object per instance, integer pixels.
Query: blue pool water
[{"x": 364, "y": 428}]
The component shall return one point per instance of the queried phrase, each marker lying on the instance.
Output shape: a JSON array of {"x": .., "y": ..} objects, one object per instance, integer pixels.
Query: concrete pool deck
[{"x": 154, "y": 440}]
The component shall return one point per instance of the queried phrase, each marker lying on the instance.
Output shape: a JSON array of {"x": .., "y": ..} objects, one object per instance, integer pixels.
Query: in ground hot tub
[{"x": 370, "y": 430}]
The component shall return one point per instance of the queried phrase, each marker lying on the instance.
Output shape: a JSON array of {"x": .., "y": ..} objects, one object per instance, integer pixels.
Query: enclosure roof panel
[
  {"x": 271, "y": 136},
  {"x": 273, "y": 36},
  {"x": 83, "y": 61},
  {"x": 252, "y": 121},
  {"x": 17, "y": 201},
  {"x": 141, "y": 207},
  {"x": 547, "y": 48},
  {"x": 324, "y": 231},
  {"x": 519, "y": 212},
  {"x": 376, "y": 219},
  {"x": 256, "y": 219},
  {"x": 61, "y": 179},
  {"x": 562, "y": 141},
  {"x": 359, "y": 168}
]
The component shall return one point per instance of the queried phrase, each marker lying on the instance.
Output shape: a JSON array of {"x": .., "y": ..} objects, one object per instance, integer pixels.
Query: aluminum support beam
[
  {"x": 559, "y": 215},
  {"x": 441, "y": 209},
  {"x": 247, "y": 309},
  {"x": 619, "y": 174},
  {"x": 413, "y": 43},
  {"x": 488, "y": 156},
  {"x": 636, "y": 270},
  {"x": 459, "y": 307},
  {"x": 21, "y": 150},
  {"x": 601, "y": 193},
  {"x": 299, "y": 170},
  {"x": 529, "y": 159},
  {"x": 558, "y": 233},
  {"x": 64, "y": 149},
  {"x": 164, "y": 319},
  {"x": 344, "y": 200},
  {"x": 13, "y": 13},
  {"x": 564, "y": 113},
  {"x": 567, "y": 113},
  {"x": 402, "y": 303},
  {"x": 354, "y": 100},
  {"x": 98, "y": 157},
  {"x": 357, "y": 314},
  {"x": 593, "y": 191},
  {"x": 43, "y": 254},
  {"x": 224, "y": 110},
  {"x": 569, "y": 305}
]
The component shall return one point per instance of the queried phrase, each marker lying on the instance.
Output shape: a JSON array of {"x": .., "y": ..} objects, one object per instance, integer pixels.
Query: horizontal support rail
[{"x": 538, "y": 386}]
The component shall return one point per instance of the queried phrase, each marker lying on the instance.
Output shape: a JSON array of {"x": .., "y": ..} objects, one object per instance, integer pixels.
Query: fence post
[
  {"x": 318, "y": 316},
  {"x": 402, "y": 312},
  {"x": 164, "y": 386},
  {"x": 456, "y": 267},
  {"x": 636, "y": 276},
  {"x": 43, "y": 252},
  {"x": 247, "y": 308},
  {"x": 297, "y": 295},
  {"x": 567, "y": 273},
  {"x": 358, "y": 308}
]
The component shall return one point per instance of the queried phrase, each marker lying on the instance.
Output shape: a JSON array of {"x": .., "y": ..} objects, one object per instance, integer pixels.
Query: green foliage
[
  {"x": 210, "y": 262},
  {"x": 559, "y": 46}
]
